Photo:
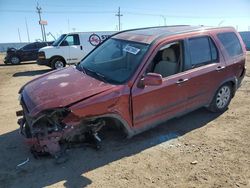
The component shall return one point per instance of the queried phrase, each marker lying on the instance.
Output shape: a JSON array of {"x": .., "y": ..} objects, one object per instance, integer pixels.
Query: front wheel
[
  {"x": 221, "y": 99},
  {"x": 14, "y": 60},
  {"x": 57, "y": 63}
]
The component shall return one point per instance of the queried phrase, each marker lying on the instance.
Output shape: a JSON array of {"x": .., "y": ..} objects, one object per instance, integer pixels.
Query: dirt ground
[{"x": 200, "y": 149}]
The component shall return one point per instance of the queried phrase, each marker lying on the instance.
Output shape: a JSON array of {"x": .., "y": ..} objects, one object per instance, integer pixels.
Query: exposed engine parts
[{"x": 47, "y": 134}]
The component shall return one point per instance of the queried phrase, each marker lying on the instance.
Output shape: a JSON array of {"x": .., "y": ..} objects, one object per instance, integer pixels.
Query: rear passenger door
[{"x": 206, "y": 70}]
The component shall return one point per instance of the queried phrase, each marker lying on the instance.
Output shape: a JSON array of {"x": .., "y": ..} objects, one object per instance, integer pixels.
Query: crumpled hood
[{"x": 59, "y": 89}]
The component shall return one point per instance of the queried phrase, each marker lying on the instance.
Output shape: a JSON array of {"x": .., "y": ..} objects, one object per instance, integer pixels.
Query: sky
[{"x": 65, "y": 16}]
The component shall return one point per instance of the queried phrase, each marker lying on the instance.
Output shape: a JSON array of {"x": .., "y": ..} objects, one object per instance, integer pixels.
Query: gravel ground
[{"x": 200, "y": 149}]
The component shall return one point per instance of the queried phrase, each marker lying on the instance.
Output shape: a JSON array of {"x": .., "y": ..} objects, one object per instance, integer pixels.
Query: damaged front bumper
[{"x": 49, "y": 134}]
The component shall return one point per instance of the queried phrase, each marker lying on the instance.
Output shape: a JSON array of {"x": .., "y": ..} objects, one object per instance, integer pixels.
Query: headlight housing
[{"x": 41, "y": 55}]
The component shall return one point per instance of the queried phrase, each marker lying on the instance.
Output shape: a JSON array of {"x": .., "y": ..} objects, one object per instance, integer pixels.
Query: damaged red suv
[{"x": 134, "y": 80}]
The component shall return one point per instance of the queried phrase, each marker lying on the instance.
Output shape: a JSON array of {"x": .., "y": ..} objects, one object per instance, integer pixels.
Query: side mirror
[{"x": 151, "y": 79}]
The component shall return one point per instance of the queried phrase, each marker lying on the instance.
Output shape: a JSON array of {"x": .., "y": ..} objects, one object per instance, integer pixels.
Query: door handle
[
  {"x": 220, "y": 68},
  {"x": 182, "y": 80},
  {"x": 81, "y": 47}
]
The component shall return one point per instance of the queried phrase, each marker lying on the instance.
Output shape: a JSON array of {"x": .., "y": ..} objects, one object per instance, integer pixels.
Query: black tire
[
  {"x": 57, "y": 63},
  {"x": 14, "y": 60},
  {"x": 222, "y": 98}
]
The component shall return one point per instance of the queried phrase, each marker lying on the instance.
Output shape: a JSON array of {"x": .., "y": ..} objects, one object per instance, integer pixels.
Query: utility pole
[
  {"x": 27, "y": 30},
  {"x": 222, "y": 21},
  {"x": 164, "y": 19},
  {"x": 119, "y": 18},
  {"x": 39, "y": 11},
  {"x": 68, "y": 25},
  {"x": 19, "y": 35}
]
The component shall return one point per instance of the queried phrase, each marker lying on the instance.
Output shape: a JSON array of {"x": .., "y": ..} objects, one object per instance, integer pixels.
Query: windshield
[
  {"x": 114, "y": 61},
  {"x": 57, "y": 41}
]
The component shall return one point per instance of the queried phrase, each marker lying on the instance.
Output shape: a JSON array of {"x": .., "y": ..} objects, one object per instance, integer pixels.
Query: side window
[
  {"x": 71, "y": 40},
  {"x": 202, "y": 51},
  {"x": 76, "y": 40},
  {"x": 168, "y": 60},
  {"x": 30, "y": 46},
  {"x": 231, "y": 43}
]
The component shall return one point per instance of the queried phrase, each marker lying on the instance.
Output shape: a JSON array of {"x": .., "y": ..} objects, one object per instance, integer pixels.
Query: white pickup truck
[{"x": 70, "y": 48}]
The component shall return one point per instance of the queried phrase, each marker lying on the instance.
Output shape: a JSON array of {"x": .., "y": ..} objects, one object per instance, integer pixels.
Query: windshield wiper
[{"x": 95, "y": 74}]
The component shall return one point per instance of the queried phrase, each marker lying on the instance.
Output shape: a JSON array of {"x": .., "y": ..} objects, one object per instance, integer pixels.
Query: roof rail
[{"x": 135, "y": 29}]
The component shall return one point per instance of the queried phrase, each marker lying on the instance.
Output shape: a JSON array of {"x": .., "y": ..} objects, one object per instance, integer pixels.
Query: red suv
[{"x": 134, "y": 80}]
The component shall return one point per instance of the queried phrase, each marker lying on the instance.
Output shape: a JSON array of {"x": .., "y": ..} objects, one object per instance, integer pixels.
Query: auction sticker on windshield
[{"x": 131, "y": 49}]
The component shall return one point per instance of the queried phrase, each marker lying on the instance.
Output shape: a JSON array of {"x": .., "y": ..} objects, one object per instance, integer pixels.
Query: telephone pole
[
  {"x": 39, "y": 11},
  {"x": 27, "y": 30},
  {"x": 119, "y": 18},
  {"x": 19, "y": 35},
  {"x": 164, "y": 19}
]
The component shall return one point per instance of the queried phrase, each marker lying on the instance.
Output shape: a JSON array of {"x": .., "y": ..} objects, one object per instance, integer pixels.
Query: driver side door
[
  {"x": 74, "y": 49},
  {"x": 154, "y": 104}
]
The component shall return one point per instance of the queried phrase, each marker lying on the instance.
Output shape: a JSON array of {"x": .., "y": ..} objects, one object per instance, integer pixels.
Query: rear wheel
[
  {"x": 14, "y": 60},
  {"x": 57, "y": 63},
  {"x": 221, "y": 99}
]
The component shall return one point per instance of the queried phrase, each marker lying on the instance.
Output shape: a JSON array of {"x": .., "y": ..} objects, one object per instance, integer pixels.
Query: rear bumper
[{"x": 43, "y": 62}]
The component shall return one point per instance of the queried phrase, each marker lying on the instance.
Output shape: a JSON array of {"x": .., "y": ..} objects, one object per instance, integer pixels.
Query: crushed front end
[{"x": 49, "y": 133}]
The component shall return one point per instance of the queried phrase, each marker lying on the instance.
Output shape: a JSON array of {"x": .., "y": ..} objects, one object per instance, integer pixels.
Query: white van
[{"x": 70, "y": 48}]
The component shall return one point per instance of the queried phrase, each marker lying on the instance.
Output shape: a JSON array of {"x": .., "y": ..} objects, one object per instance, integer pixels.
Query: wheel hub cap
[
  {"x": 58, "y": 64},
  {"x": 14, "y": 60},
  {"x": 223, "y": 97}
]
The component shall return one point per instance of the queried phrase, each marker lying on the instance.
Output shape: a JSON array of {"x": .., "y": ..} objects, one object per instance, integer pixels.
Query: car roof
[{"x": 150, "y": 34}]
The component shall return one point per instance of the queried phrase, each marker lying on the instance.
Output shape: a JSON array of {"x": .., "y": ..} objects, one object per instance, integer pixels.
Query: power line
[
  {"x": 79, "y": 12},
  {"x": 127, "y": 12}
]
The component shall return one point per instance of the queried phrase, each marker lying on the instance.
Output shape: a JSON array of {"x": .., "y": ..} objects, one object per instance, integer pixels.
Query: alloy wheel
[
  {"x": 223, "y": 97},
  {"x": 59, "y": 64}
]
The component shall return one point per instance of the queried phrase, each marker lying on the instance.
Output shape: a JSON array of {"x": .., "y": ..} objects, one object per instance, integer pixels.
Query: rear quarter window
[{"x": 231, "y": 43}]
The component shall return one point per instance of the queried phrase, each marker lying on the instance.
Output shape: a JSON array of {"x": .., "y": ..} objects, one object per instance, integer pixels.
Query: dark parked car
[
  {"x": 245, "y": 35},
  {"x": 134, "y": 80},
  {"x": 28, "y": 52}
]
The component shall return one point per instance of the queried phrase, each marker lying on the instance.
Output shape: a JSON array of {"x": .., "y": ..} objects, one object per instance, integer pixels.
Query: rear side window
[
  {"x": 245, "y": 35},
  {"x": 202, "y": 51},
  {"x": 231, "y": 43},
  {"x": 30, "y": 46}
]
